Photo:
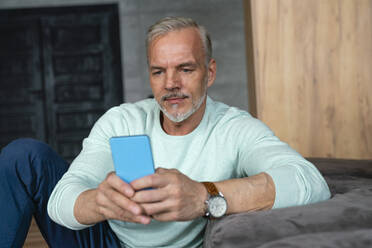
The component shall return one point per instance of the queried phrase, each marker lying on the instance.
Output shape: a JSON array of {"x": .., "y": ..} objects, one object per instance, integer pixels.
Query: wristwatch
[{"x": 216, "y": 202}]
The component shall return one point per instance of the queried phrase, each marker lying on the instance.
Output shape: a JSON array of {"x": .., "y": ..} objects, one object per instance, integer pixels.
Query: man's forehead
[
  {"x": 188, "y": 31},
  {"x": 180, "y": 46}
]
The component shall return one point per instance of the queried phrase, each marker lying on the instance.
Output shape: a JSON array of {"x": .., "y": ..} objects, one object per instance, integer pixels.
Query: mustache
[{"x": 174, "y": 95}]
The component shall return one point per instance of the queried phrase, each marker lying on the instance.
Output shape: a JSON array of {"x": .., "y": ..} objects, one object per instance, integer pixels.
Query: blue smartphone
[{"x": 132, "y": 156}]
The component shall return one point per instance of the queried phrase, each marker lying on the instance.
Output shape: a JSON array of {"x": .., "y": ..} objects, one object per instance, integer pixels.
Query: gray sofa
[{"x": 345, "y": 220}]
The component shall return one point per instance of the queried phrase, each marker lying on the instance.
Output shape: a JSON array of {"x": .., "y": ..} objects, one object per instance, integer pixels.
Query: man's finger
[
  {"x": 161, "y": 170},
  {"x": 120, "y": 214},
  {"x": 112, "y": 210},
  {"x": 165, "y": 216},
  {"x": 150, "y": 181},
  {"x": 116, "y": 182},
  {"x": 107, "y": 196},
  {"x": 122, "y": 201},
  {"x": 149, "y": 196},
  {"x": 157, "y": 208}
]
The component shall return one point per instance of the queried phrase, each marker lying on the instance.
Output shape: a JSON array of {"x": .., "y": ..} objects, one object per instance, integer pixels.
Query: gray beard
[{"x": 179, "y": 117}]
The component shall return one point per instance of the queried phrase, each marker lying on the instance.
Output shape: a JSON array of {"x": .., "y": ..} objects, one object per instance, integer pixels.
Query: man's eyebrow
[
  {"x": 156, "y": 68},
  {"x": 187, "y": 64}
]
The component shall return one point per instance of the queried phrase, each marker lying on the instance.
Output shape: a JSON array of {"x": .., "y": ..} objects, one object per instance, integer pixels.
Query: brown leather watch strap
[{"x": 211, "y": 188}]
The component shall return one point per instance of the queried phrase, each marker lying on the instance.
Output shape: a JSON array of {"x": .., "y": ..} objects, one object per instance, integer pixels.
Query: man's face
[{"x": 178, "y": 74}]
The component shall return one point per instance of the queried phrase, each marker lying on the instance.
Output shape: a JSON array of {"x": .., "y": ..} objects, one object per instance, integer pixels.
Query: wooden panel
[
  {"x": 251, "y": 73},
  {"x": 313, "y": 74},
  {"x": 34, "y": 238}
]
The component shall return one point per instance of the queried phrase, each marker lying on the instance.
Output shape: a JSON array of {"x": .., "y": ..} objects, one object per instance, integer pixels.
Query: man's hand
[
  {"x": 111, "y": 200},
  {"x": 173, "y": 197}
]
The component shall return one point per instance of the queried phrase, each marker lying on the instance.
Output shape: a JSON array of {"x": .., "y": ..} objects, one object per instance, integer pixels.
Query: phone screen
[{"x": 132, "y": 156}]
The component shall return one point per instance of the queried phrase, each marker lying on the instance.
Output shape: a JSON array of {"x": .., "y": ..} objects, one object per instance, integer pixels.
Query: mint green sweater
[{"x": 228, "y": 143}]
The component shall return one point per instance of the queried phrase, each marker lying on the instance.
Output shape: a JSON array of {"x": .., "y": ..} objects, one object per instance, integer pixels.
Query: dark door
[
  {"x": 21, "y": 86},
  {"x": 59, "y": 70}
]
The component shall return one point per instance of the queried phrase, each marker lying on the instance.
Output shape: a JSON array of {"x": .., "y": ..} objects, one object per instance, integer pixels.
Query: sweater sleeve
[
  {"x": 297, "y": 181},
  {"x": 87, "y": 171}
]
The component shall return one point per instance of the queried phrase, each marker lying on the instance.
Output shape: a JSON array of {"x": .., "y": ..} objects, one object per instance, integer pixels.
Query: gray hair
[{"x": 169, "y": 24}]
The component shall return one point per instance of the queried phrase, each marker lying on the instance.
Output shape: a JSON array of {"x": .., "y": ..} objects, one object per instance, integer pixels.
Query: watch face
[{"x": 217, "y": 206}]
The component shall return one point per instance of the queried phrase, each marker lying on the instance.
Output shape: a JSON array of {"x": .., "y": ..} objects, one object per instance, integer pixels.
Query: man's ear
[{"x": 212, "y": 67}]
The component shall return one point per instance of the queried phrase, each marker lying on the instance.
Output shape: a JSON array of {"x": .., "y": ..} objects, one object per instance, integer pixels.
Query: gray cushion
[
  {"x": 344, "y": 219},
  {"x": 356, "y": 239}
]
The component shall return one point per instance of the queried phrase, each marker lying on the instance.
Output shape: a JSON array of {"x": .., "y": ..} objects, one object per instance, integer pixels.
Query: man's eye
[
  {"x": 186, "y": 70},
  {"x": 156, "y": 73}
]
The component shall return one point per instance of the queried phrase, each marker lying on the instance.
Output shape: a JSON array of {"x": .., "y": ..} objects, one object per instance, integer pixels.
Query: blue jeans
[{"x": 29, "y": 170}]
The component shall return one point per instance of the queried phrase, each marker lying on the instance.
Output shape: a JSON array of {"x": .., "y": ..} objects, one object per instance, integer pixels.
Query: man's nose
[{"x": 173, "y": 81}]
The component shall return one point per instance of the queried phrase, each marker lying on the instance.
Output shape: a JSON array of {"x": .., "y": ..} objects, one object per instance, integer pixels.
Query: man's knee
[
  {"x": 29, "y": 158},
  {"x": 23, "y": 151},
  {"x": 26, "y": 146}
]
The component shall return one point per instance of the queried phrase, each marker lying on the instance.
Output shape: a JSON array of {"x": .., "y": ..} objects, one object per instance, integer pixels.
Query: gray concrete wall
[{"x": 223, "y": 19}]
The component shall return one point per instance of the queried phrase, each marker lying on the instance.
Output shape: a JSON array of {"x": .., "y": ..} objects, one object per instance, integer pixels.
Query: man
[{"x": 211, "y": 159}]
